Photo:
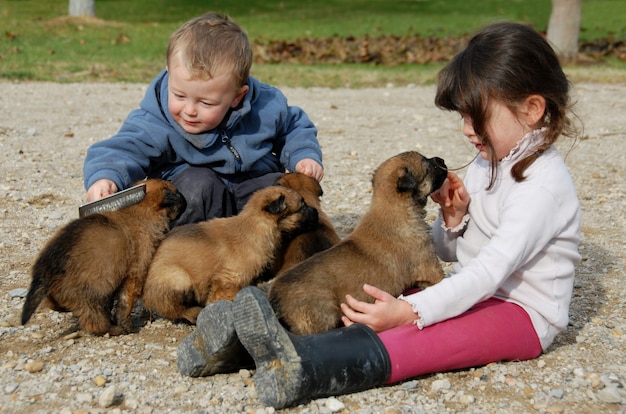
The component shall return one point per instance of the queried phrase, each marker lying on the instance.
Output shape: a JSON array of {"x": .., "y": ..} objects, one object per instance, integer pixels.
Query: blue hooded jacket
[{"x": 262, "y": 135}]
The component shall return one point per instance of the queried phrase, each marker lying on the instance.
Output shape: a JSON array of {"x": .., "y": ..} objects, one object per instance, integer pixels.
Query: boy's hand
[
  {"x": 311, "y": 168},
  {"x": 453, "y": 199},
  {"x": 101, "y": 188}
]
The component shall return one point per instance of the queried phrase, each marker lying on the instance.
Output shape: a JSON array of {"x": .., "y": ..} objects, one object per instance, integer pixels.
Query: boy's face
[{"x": 199, "y": 105}]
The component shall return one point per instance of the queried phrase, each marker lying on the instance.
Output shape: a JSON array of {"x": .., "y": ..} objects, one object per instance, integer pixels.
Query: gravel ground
[{"x": 46, "y": 366}]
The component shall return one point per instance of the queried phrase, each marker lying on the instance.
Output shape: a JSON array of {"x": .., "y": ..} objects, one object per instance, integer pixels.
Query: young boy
[{"x": 217, "y": 133}]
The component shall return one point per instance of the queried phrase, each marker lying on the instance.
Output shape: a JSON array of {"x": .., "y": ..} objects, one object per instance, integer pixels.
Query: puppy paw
[{"x": 117, "y": 330}]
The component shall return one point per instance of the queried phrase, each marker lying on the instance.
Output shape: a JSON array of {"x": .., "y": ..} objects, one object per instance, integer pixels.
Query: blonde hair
[{"x": 210, "y": 45}]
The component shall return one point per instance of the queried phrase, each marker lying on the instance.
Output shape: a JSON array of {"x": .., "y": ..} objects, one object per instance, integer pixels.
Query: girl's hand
[
  {"x": 101, "y": 188},
  {"x": 311, "y": 168},
  {"x": 385, "y": 313},
  {"x": 453, "y": 199}
]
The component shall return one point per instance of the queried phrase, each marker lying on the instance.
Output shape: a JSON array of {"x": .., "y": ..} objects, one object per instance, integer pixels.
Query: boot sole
[
  {"x": 278, "y": 366},
  {"x": 213, "y": 348}
]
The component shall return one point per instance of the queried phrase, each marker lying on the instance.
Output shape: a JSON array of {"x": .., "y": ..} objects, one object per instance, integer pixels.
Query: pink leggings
[{"x": 491, "y": 331}]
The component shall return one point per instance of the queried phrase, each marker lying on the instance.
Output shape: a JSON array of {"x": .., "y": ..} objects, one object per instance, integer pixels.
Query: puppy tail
[{"x": 37, "y": 292}]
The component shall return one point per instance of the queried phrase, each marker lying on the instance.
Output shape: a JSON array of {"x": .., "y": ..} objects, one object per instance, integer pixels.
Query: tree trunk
[
  {"x": 82, "y": 8},
  {"x": 563, "y": 28}
]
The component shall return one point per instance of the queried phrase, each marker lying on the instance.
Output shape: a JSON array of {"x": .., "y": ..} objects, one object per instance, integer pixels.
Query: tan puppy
[
  {"x": 209, "y": 261},
  {"x": 102, "y": 259},
  {"x": 390, "y": 248},
  {"x": 322, "y": 237}
]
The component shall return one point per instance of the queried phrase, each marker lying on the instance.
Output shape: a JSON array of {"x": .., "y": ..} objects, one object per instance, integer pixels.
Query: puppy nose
[{"x": 440, "y": 163}]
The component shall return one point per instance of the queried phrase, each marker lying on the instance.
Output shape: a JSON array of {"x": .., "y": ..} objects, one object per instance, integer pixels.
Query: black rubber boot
[
  {"x": 213, "y": 348},
  {"x": 292, "y": 369}
]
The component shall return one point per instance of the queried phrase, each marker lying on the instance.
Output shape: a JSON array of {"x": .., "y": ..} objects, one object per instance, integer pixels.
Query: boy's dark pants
[{"x": 208, "y": 196}]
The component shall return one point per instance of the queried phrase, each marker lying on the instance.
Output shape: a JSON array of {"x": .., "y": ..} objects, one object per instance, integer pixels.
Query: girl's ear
[{"x": 534, "y": 108}]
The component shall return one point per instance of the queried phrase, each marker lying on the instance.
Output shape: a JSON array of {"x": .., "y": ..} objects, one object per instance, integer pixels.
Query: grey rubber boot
[
  {"x": 292, "y": 369},
  {"x": 213, "y": 348}
]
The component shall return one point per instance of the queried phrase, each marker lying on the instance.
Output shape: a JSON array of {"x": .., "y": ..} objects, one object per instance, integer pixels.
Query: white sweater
[{"x": 519, "y": 242}]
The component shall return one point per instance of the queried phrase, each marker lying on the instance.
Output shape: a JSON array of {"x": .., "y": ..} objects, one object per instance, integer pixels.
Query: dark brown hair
[{"x": 507, "y": 62}]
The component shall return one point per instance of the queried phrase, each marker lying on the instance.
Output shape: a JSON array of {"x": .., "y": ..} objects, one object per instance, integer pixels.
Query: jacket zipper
[{"x": 226, "y": 141}]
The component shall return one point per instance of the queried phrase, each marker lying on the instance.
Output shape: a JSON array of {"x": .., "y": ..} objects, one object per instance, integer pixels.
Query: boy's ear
[
  {"x": 535, "y": 109},
  {"x": 242, "y": 92}
]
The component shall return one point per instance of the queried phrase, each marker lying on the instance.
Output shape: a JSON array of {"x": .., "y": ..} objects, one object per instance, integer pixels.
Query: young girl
[{"x": 511, "y": 227}]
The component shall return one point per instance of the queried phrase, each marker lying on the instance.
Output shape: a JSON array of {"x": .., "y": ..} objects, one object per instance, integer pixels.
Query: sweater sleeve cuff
[
  {"x": 419, "y": 321},
  {"x": 459, "y": 227}
]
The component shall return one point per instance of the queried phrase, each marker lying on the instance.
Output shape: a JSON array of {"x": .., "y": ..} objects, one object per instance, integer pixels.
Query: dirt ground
[{"x": 45, "y": 366}]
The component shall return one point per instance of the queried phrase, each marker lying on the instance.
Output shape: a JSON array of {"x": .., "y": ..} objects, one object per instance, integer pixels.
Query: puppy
[
  {"x": 308, "y": 243},
  {"x": 102, "y": 259},
  {"x": 391, "y": 248},
  {"x": 209, "y": 261}
]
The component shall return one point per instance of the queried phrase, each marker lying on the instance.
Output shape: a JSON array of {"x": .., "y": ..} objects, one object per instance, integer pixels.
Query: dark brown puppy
[
  {"x": 209, "y": 261},
  {"x": 320, "y": 238},
  {"x": 102, "y": 259},
  {"x": 390, "y": 248}
]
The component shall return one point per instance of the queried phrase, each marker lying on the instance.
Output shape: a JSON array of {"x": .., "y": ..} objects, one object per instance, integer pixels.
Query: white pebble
[
  {"x": 440, "y": 385},
  {"x": 84, "y": 397},
  {"x": 609, "y": 395},
  {"x": 107, "y": 397},
  {"x": 334, "y": 405}
]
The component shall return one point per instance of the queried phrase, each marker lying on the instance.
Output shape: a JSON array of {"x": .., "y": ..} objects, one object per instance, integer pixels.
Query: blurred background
[{"x": 299, "y": 43}]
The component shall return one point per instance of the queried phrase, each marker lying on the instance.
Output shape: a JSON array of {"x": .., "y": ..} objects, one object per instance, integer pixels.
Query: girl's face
[
  {"x": 505, "y": 130},
  {"x": 200, "y": 105}
]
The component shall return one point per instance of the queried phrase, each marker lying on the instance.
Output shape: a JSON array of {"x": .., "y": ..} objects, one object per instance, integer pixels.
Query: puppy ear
[
  {"x": 276, "y": 206},
  {"x": 406, "y": 182}
]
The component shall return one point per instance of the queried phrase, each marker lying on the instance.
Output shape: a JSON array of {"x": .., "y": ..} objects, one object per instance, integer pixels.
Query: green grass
[{"x": 127, "y": 41}]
